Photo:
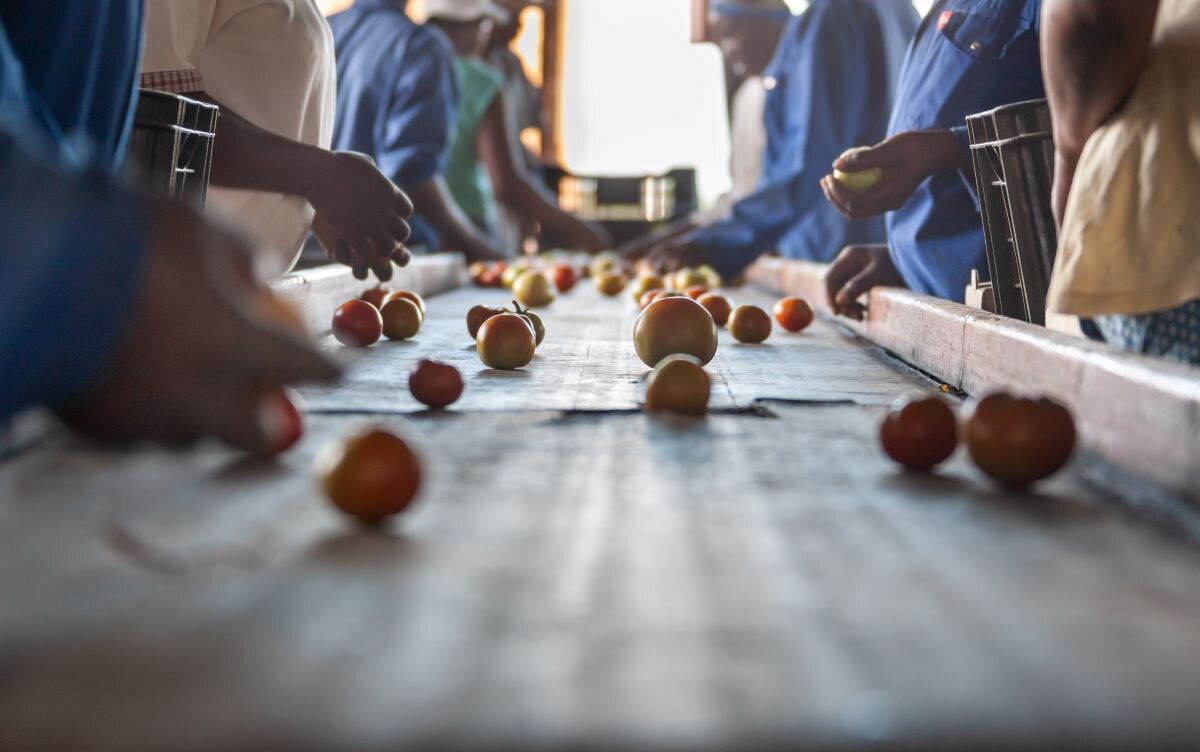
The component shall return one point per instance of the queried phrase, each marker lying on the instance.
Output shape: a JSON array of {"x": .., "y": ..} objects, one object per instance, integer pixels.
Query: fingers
[
  {"x": 237, "y": 417},
  {"x": 848, "y": 264},
  {"x": 864, "y": 159},
  {"x": 403, "y": 205},
  {"x": 400, "y": 230},
  {"x": 837, "y": 196},
  {"x": 401, "y": 256}
]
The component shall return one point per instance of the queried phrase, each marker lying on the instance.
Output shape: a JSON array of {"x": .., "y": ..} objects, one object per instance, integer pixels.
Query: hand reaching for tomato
[
  {"x": 675, "y": 254},
  {"x": 202, "y": 355},
  {"x": 856, "y": 270},
  {"x": 904, "y": 160}
]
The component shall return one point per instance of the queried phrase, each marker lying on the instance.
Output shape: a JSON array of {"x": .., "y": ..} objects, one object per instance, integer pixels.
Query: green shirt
[{"x": 478, "y": 86}]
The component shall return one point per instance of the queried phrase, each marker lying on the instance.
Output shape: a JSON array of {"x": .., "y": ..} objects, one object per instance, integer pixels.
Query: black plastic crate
[
  {"x": 1013, "y": 151},
  {"x": 171, "y": 145}
]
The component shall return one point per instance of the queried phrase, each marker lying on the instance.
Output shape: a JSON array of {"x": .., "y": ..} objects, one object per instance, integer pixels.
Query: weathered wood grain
[{"x": 1142, "y": 414}]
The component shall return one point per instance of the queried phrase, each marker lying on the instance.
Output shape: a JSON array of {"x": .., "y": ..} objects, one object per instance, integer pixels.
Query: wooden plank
[
  {"x": 1140, "y": 413},
  {"x": 588, "y": 581}
]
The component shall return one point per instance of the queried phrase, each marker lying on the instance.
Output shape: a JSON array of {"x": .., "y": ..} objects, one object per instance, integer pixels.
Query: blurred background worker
[
  {"x": 967, "y": 58},
  {"x": 397, "y": 102},
  {"x": 1125, "y": 95},
  {"x": 747, "y": 33},
  {"x": 830, "y": 87},
  {"x": 92, "y": 277},
  {"x": 269, "y": 65},
  {"x": 486, "y": 169}
]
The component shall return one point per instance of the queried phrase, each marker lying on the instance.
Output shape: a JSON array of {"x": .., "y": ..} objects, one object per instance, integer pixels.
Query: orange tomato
[
  {"x": 370, "y": 476},
  {"x": 375, "y": 296},
  {"x": 678, "y": 384},
  {"x": 750, "y": 324},
  {"x": 675, "y": 325},
  {"x": 794, "y": 314},
  {"x": 1018, "y": 442},
  {"x": 506, "y": 342},
  {"x": 695, "y": 291},
  {"x": 416, "y": 299},
  {"x": 718, "y": 306},
  {"x": 357, "y": 323},
  {"x": 920, "y": 432},
  {"x": 401, "y": 319}
]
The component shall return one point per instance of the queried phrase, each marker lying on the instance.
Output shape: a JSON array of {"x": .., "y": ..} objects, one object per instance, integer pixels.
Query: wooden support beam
[{"x": 1140, "y": 413}]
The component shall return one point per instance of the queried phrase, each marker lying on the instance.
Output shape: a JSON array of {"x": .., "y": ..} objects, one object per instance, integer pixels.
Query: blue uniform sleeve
[
  {"x": 828, "y": 69},
  {"x": 962, "y": 135},
  {"x": 419, "y": 119}
]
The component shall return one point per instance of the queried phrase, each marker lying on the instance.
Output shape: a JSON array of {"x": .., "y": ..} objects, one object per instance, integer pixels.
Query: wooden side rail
[{"x": 1140, "y": 413}]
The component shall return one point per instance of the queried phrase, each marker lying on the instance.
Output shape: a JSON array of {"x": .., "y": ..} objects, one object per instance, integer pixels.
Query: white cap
[{"x": 466, "y": 10}]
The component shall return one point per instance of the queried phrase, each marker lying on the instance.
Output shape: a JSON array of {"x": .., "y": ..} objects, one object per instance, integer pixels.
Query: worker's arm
[
  {"x": 434, "y": 202},
  {"x": 517, "y": 191},
  {"x": 1093, "y": 53},
  {"x": 351, "y": 197}
]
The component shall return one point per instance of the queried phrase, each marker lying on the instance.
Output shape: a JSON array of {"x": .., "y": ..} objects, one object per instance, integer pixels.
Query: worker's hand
[
  {"x": 202, "y": 350},
  {"x": 906, "y": 160},
  {"x": 360, "y": 215},
  {"x": 675, "y": 254},
  {"x": 856, "y": 270}
]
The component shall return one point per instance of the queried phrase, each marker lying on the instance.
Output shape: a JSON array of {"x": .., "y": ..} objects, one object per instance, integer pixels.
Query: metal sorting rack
[
  {"x": 171, "y": 145},
  {"x": 1012, "y": 148}
]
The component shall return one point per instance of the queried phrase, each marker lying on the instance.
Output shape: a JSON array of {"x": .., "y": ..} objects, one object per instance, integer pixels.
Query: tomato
[
  {"x": 435, "y": 384},
  {"x": 1018, "y": 442},
  {"x": 667, "y": 294},
  {"x": 357, "y": 323},
  {"x": 604, "y": 262},
  {"x": 506, "y": 342},
  {"x": 535, "y": 321},
  {"x": 644, "y": 282},
  {"x": 371, "y": 476},
  {"x": 794, "y": 314},
  {"x": 610, "y": 283},
  {"x": 375, "y": 296},
  {"x": 675, "y": 325},
  {"x": 563, "y": 276},
  {"x": 401, "y": 319},
  {"x": 678, "y": 384},
  {"x": 695, "y": 291},
  {"x": 685, "y": 278},
  {"x": 477, "y": 270},
  {"x": 718, "y": 306},
  {"x": 648, "y": 297},
  {"x": 416, "y": 299},
  {"x": 534, "y": 289},
  {"x": 750, "y": 324},
  {"x": 479, "y": 314},
  {"x": 712, "y": 278},
  {"x": 281, "y": 418},
  {"x": 920, "y": 432},
  {"x": 490, "y": 278}
]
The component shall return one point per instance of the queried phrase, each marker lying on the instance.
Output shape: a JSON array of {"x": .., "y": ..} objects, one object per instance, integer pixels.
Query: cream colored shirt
[
  {"x": 748, "y": 142},
  {"x": 270, "y": 61},
  {"x": 1130, "y": 241}
]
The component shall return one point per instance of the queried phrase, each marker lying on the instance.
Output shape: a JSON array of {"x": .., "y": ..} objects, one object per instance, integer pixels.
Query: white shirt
[{"x": 270, "y": 61}]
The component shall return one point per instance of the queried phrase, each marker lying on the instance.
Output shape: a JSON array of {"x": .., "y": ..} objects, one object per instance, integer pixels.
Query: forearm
[
  {"x": 1093, "y": 52},
  {"x": 432, "y": 200}
]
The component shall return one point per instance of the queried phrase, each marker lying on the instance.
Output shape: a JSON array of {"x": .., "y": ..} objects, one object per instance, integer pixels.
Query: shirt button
[
  {"x": 769, "y": 83},
  {"x": 976, "y": 46}
]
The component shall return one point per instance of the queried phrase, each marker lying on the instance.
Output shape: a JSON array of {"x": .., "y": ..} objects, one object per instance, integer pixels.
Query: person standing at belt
[
  {"x": 830, "y": 86},
  {"x": 131, "y": 318},
  {"x": 969, "y": 56},
  {"x": 1124, "y": 84},
  {"x": 269, "y": 65}
]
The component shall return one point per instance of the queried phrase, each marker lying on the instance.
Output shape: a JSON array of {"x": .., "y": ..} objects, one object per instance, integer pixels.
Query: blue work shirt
[
  {"x": 79, "y": 60},
  {"x": 969, "y": 56},
  {"x": 397, "y": 95},
  {"x": 71, "y": 253},
  {"x": 830, "y": 87}
]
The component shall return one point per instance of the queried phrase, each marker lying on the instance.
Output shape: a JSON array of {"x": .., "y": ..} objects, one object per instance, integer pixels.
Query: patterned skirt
[{"x": 1173, "y": 334}]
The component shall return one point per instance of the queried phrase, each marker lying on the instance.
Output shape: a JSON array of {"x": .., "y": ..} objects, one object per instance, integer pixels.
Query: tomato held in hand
[
  {"x": 506, "y": 342},
  {"x": 1018, "y": 442},
  {"x": 718, "y": 307},
  {"x": 794, "y": 314},
  {"x": 357, "y": 323},
  {"x": 416, "y": 299},
  {"x": 678, "y": 384},
  {"x": 750, "y": 324},
  {"x": 370, "y": 476},
  {"x": 479, "y": 314},
  {"x": 672, "y": 326},
  {"x": 401, "y": 319},
  {"x": 920, "y": 433},
  {"x": 435, "y": 384}
]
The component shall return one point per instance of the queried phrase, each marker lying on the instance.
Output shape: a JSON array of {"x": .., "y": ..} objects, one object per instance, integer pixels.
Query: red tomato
[
  {"x": 357, "y": 323},
  {"x": 479, "y": 314},
  {"x": 750, "y": 324},
  {"x": 401, "y": 319},
  {"x": 506, "y": 342},
  {"x": 920, "y": 432},
  {"x": 1018, "y": 442},
  {"x": 794, "y": 314},
  {"x": 435, "y": 384},
  {"x": 678, "y": 385},
  {"x": 281, "y": 419},
  {"x": 718, "y": 307},
  {"x": 370, "y": 476},
  {"x": 375, "y": 296},
  {"x": 648, "y": 297},
  {"x": 695, "y": 291},
  {"x": 416, "y": 299},
  {"x": 563, "y": 276},
  {"x": 675, "y": 325}
]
